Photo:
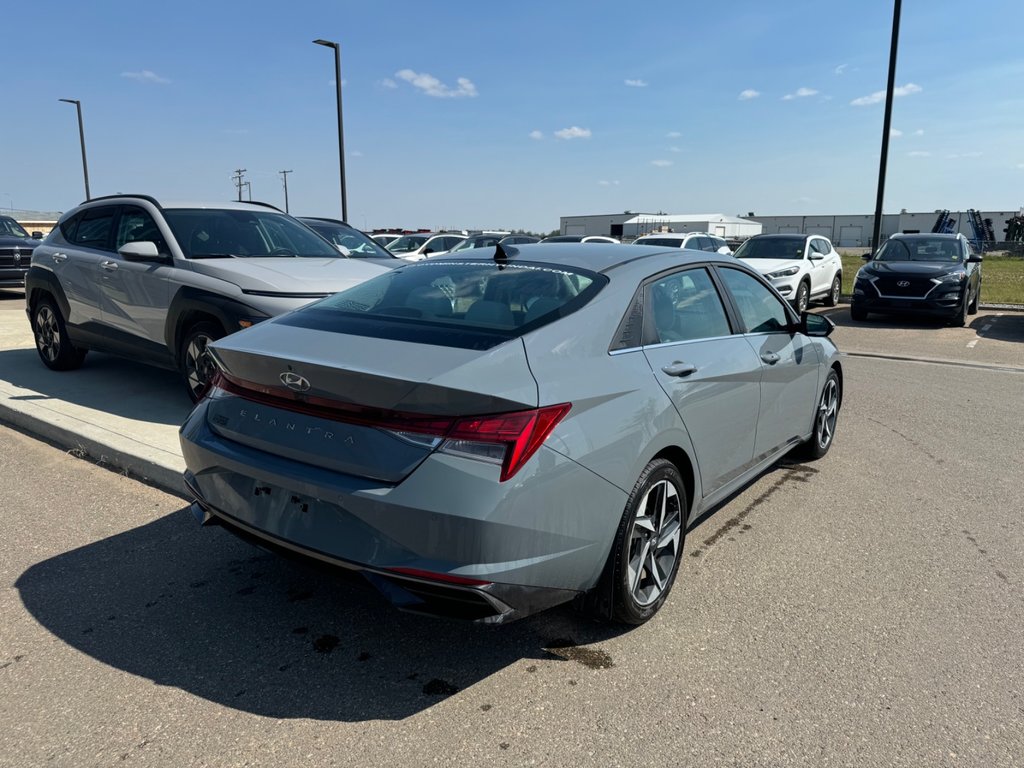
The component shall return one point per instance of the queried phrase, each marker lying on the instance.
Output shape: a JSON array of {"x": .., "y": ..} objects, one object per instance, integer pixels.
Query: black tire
[
  {"x": 196, "y": 366},
  {"x": 642, "y": 579},
  {"x": 826, "y": 416},
  {"x": 972, "y": 308},
  {"x": 802, "y": 298},
  {"x": 858, "y": 313},
  {"x": 51, "y": 334},
  {"x": 835, "y": 291}
]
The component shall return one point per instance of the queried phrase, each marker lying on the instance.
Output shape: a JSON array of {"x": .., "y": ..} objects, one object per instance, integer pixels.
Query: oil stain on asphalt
[{"x": 566, "y": 648}]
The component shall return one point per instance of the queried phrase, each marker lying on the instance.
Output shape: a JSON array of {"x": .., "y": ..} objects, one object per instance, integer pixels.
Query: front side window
[
  {"x": 759, "y": 308},
  {"x": 468, "y": 304},
  {"x": 358, "y": 245},
  {"x": 407, "y": 243},
  {"x": 685, "y": 306},
  {"x": 135, "y": 226},
  {"x": 205, "y": 233}
]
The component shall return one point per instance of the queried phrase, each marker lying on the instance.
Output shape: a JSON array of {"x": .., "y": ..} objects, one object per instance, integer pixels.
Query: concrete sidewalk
[{"x": 120, "y": 413}]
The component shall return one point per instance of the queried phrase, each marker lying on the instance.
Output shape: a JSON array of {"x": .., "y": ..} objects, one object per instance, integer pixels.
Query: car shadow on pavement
[
  {"x": 1007, "y": 327},
  {"x": 197, "y": 609},
  {"x": 841, "y": 317},
  {"x": 105, "y": 383}
]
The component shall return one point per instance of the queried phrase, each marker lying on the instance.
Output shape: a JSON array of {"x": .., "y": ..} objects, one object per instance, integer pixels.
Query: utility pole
[
  {"x": 284, "y": 175},
  {"x": 238, "y": 181},
  {"x": 248, "y": 189}
]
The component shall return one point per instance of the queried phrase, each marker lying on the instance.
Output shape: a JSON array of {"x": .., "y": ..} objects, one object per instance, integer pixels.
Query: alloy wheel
[
  {"x": 836, "y": 290},
  {"x": 199, "y": 367},
  {"x": 47, "y": 333},
  {"x": 828, "y": 411},
  {"x": 654, "y": 542}
]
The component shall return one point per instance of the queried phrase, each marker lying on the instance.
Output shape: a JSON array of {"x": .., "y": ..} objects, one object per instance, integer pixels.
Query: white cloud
[
  {"x": 748, "y": 94},
  {"x": 536, "y": 135},
  {"x": 895, "y": 133},
  {"x": 146, "y": 76},
  {"x": 801, "y": 93},
  {"x": 575, "y": 132},
  {"x": 840, "y": 69},
  {"x": 661, "y": 163},
  {"x": 878, "y": 96},
  {"x": 673, "y": 135},
  {"x": 387, "y": 82},
  {"x": 919, "y": 153},
  {"x": 604, "y": 183},
  {"x": 955, "y": 156},
  {"x": 674, "y": 149},
  {"x": 636, "y": 83},
  {"x": 919, "y": 132},
  {"x": 431, "y": 86}
]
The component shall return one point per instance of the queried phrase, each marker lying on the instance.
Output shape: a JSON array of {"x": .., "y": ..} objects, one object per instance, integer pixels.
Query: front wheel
[
  {"x": 649, "y": 543},
  {"x": 959, "y": 320},
  {"x": 825, "y": 418},
  {"x": 196, "y": 364},
  {"x": 858, "y": 313},
  {"x": 834, "y": 292},
  {"x": 802, "y": 298},
  {"x": 972, "y": 308}
]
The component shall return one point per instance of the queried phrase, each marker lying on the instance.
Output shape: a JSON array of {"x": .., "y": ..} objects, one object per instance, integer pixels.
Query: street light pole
[
  {"x": 81, "y": 139},
  {"x": 341, "y": 131},
  {"x": 886, "y": 125}
]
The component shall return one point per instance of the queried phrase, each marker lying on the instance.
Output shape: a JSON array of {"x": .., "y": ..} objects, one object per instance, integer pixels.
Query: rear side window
[
  {"x": 93, "y": 230},
  {"x": 468, "y": 304}
]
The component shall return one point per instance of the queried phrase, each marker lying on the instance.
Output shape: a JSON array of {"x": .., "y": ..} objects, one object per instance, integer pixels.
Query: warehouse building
[{"x": 629, "y": 225}]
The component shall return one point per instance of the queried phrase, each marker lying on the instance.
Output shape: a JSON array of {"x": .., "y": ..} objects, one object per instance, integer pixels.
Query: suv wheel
[
  {"x": 52, "y": 343},
  {"x": 803, "y": 298},
  {"x": 833, "y": 293},
  {"x": 196, "y": 364}
]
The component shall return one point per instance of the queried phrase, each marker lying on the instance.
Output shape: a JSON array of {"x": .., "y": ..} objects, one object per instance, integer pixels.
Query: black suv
[
  {"x": 16, "y": 246},
  {"x": 928, "y": 274}
]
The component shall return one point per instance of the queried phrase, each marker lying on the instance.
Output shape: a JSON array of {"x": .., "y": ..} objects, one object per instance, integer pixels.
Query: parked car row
[{"x": 16, "y": 247}]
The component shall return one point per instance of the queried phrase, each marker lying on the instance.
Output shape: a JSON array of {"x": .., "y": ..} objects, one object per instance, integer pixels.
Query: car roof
[
  {"x": 783, "y": 235},
  {"x": 927, "y": 235},
  {"x": 600, "y": 258}
]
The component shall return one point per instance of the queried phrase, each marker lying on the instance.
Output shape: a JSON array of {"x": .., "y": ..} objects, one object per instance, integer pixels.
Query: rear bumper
[{"x": 479, "y": 549}]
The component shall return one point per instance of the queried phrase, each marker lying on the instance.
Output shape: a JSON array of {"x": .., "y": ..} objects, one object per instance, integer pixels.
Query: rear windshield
[
  {"x": 668, "y": 242},
  {"x": 772, "y": 248},
  {"x": 467, "y": 304}
]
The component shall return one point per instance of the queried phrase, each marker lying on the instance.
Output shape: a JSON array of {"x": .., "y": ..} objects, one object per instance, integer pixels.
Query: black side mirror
[
  {"x": 866, "y": 256},
  {"x": 37, "y": 235},
  {"x": 812, "y": 324},
  {"x": 975, "y": 258}
]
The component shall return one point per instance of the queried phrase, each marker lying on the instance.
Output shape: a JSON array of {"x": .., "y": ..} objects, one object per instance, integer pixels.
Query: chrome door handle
[
  {"x": 679, "y": 368},
  {"x": 770, "y": 357},
  {"x": 59, "y": 258},
  {"x": 110, "y": 266}
]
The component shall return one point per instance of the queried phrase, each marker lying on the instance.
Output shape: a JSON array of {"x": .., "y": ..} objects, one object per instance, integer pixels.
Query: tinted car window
[
  {"x": 358, "y": 245},
  {"x": 93, "y": 230},
  {"x": 470, "y": 304},
  {"x": 686, "y": 306},
  {"x": 668, "y": 242},
  {"x": 135, "y": 226},
  {"x": 9, "y": 226},
  {"x": 759, "y": 308},
  {"x": 407, "y": 243},
  {"x": 772, "y": 248},
  {"x": 706, "y": 244},
  {"x": 212, "y": 233}
]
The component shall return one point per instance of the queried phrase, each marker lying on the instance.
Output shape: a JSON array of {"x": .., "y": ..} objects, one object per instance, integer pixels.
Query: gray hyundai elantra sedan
[{"x": 487, "y": 437}]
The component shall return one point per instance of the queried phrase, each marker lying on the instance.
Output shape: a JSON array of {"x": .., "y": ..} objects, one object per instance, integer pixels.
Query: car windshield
[
  {"x": 920, "y": 249},
  {"x": 477, "y": 242},
  {"x": 407, "y": 243},
  {"x": 210, "y": 233},
  {"x": 359, "y": 246},
  {"x": 471, "y": 304},
  {"x": 9, "y": 226},
  {"x": 772, "y": 248}
]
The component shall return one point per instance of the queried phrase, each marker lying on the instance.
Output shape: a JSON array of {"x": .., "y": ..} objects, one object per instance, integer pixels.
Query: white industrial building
[{"x": 846, "y": 230}]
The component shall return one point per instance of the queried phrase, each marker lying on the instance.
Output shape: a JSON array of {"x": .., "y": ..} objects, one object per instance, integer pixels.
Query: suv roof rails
[
  {"x": 260, "y": 202},
  {"x": 147, "y": 198},
  {"x": 325, "y": 218}
]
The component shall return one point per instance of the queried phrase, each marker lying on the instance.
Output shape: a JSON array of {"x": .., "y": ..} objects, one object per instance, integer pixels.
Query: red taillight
[
  {"x": 521, "y": 432},
  {"x": 451, "y": 578}
]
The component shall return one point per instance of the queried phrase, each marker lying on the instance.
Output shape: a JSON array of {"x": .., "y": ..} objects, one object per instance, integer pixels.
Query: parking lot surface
[{"x": 866, "y": 609}]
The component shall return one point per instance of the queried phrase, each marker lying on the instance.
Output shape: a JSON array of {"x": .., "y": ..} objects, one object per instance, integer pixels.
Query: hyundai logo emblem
[
  {"x": 903, "y": 283},
  {"x": 294, "y": 381}
]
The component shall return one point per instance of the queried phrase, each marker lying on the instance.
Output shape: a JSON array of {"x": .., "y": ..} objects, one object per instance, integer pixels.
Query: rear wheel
[
  {"x": 196, "y": 364},
  {"x": 834, "y": 292},
  {"x": 649, "y": 543},
  {"x": 52, "y": 343},
  {"x": 858, "y": 312}
]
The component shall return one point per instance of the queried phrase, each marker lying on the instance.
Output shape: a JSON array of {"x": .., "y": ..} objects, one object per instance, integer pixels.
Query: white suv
[
  {"x": 695, "y": 241},
  {"x": 801, "y": 267}
]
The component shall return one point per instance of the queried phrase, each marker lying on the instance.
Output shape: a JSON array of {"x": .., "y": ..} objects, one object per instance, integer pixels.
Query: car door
[
  {"x": 89, "y": 240},
  {"x": 822, "y": 266},
  {"x": 711, "y": 373},
  {"x": 789, "y": 362},
  {"x": 136, "y": 294}
]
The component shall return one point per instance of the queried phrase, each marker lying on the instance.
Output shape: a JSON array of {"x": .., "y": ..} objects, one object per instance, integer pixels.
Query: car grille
[
  {"x": 904, "y": 287},
  {"x": 7, "y": 257}
]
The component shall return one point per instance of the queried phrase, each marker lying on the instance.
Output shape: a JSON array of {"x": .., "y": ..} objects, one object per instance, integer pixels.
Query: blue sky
[{"x": 479, "y": 114}]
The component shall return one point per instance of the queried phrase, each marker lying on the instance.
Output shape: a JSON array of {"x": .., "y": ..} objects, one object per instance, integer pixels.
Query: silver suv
[{"x": 156, "y": 282}]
